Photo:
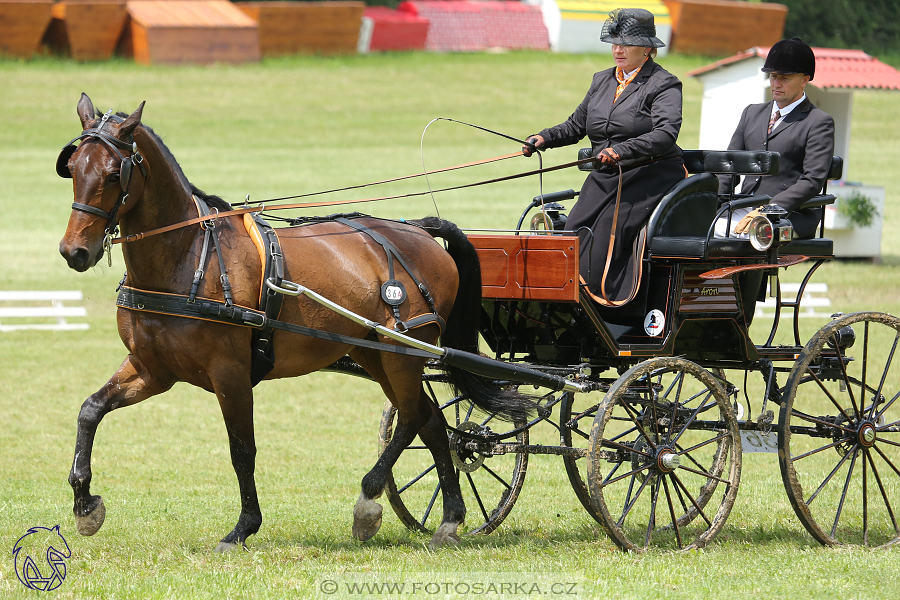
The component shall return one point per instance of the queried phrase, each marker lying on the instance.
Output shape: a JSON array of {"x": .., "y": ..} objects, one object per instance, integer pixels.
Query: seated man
[{"x": 791, "y": 125}]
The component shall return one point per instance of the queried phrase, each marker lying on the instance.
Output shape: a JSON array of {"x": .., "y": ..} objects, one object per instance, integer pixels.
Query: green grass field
[{"x": 294, "y": 126}]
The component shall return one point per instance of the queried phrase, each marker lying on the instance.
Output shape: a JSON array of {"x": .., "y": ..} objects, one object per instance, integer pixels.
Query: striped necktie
[{"x": 775, "y": 116}]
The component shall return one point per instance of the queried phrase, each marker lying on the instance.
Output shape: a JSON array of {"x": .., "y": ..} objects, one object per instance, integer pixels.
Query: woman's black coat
[{"x": 641, "y": 127}]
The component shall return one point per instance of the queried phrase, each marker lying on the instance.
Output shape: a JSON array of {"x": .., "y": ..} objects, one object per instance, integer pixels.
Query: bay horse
[{"x": 142, "y": 188}]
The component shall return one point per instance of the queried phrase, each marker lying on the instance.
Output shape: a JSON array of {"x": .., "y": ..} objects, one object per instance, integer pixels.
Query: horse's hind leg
[
  {"x": 416, "y": 414},
  {"x": 434, "y": 435},
  {"x": 129, "y": 385}
]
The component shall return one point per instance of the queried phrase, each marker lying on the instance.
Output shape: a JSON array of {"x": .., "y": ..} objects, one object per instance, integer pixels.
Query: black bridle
[{"x": 125, "y": 169}]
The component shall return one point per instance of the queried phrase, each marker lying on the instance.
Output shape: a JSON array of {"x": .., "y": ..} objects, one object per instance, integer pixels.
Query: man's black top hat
[
  {"x": 631, "y": 27},
  {"x": 791, "y": 56}
]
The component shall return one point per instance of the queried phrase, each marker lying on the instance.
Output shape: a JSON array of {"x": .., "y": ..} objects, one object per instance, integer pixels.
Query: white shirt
[{"x": 785, "y": 111}]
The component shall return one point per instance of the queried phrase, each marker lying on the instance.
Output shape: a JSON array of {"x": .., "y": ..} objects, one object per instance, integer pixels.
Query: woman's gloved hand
[
  {"x": 608, "y": 156},
  {"x": 538, "y": 143}
]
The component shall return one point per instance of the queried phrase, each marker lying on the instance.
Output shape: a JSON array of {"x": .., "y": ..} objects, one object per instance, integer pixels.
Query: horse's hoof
[
  {"x": 444, "y": 536},
  {"x": 224, "y": 547},
  {"x": 366, "y": 519},
  {"x": 91, "y": 523}
]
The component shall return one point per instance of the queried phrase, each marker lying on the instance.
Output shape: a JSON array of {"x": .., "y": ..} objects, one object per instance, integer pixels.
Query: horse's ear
[
  {"x": 133, "y": 120},
  {"x": 86, "y": 111}
]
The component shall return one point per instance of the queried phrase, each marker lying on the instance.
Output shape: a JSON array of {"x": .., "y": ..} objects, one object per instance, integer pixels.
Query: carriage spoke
[
  {"x": 884, "y": 374},
  {"x": 887, "y": 502},
  {"x": 840, "y": 509},
  {"x": 812, "y": 419},
  {"x": 651, "y": 522},
  {"x": 862, "y": 383},
  {"x": 890, "y": 442},
  {"x": 621, "y": 435},
  {"x": 704, "y": 474},
  {"x": 886, "y": 407},
  {"x": 678, "y": 482},
  {"x": 477, "y": 497},
  {"x": 672, "y": 513},
  {"x": 628, "y": 506},
  {"x": 700, "y": 445},
  {"x": 828, "y": 478},
  {"x": 621, "y": 477},
  {"x": 612, "y": 444},
  {"x": 865, "y": 497},
  {"x": 886, "y": 459},
  {"x": 856, "y": 409},
  {"x": 828, "y": 395},
  {"x": 497, "y": 477},
  {"x": 415, "y": 479},
  {"x": 428, "y": 508},
  {"x": 693, "y": 416},
  {"x": 611, "y": 473},
  {"x": 817, "y": 450},
  {"x": 676, "y": 404},
  {"x": 636, "y": 421}
]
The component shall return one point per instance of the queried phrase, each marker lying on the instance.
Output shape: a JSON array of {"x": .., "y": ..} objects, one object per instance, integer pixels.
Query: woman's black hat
[
  {"x": 631, "y": 27},
  {"x": 791, "y": 56}
]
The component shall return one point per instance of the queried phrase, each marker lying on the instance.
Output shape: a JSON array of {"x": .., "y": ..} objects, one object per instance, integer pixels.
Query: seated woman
[{"x": 632, "y": 116}]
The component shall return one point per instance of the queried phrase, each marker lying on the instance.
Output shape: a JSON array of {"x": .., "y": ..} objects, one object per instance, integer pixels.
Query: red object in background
[
  {"x": 396, "y": 30},
  {"x": 460, "y": 25}
]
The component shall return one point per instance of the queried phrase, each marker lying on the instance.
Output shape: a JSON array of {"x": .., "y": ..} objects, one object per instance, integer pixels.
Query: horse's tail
[{"x": 461, "y": 332}]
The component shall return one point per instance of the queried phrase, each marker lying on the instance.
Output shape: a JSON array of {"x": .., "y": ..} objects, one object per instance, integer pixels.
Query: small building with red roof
[{"x": 732, "y": 83}]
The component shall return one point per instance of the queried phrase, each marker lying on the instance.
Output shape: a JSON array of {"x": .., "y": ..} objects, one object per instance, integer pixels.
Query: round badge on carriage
[
  {"x": 654, "y": 322},
  {"x": 393, "y": 292}
]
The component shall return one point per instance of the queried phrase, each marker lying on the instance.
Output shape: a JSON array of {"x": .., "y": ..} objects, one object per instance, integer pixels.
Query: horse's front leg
[
  {"x": 130, "y": 384},
  {"x": 235, "y": 397}
]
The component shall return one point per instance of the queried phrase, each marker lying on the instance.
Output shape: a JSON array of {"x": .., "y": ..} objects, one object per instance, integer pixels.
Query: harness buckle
[{"x": 254, "y": 319}]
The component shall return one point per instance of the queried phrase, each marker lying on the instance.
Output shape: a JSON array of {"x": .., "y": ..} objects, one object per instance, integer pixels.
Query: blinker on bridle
[{"x": 125, "y": 169}]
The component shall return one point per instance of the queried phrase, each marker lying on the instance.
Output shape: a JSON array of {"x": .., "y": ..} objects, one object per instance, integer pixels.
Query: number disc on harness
[{"x": 393, "y": 292}]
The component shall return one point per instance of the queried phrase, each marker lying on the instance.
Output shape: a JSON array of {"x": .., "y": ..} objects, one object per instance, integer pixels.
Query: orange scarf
[{"x": 623, "y": 81}]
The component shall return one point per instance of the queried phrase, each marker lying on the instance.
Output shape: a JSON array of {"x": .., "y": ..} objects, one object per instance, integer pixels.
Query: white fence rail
[
  {"x": 813, "y": 297},
  {"x": 32, "y": 306}
]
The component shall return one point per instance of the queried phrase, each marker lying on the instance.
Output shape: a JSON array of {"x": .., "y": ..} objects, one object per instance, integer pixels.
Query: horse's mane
[{"x": 210, "y": 199}]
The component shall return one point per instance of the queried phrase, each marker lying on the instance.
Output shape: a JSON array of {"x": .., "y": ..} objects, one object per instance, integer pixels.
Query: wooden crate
[
  {"x": 189, "y": 31},
  {"x": 87, "y": 29},
  {"x": 306, "y": 27},
  {"x": 528, "y": 267},
  {"x": 720, "y": 27},
  {"x": 22, "y": 26}
]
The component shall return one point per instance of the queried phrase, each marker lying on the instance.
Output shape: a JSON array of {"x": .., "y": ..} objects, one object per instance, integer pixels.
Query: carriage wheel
[
  {"x": 839, "y": 433},
  {"x": 490, "y": 483},
  {"x": 664, "y": 445},
  {"x": 576, "y": 418}
]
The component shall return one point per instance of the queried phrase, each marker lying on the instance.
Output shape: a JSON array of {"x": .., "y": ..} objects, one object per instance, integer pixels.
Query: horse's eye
[{"x": 113, "y": 178}]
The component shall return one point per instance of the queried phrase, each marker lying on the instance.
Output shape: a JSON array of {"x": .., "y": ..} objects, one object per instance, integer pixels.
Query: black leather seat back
[
  {"x": 687, "y": 209},
  {"x": 731, "y": 162}
]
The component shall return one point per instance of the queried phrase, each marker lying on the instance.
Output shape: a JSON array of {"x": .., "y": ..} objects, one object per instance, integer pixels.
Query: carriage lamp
[
  {"x": 767, "y": 232},
  {"x": 770, "y": 228},
  {"x": 549, "y": 218}
]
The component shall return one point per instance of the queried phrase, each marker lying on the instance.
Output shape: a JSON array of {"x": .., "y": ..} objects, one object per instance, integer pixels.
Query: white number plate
[{"x": 757, "y": 441}]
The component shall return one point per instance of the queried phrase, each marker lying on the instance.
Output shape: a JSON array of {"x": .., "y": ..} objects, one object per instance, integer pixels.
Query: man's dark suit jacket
[{"x": 805, "y": 139}]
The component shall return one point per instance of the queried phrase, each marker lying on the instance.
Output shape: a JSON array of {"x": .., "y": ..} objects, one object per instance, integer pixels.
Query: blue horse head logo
[{"x": 40, "y": 558}]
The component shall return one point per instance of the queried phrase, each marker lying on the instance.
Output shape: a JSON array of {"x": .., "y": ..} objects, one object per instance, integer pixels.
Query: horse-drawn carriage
[
  {"x": 645, "y": 400},
  {"x": 656, "y": 457}
]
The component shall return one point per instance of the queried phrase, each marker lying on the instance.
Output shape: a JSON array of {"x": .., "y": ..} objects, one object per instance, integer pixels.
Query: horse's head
[{"x": 105, "y": 181}]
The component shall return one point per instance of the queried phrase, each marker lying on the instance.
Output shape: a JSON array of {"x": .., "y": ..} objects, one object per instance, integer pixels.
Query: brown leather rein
[{"x": 248, "y": 209}]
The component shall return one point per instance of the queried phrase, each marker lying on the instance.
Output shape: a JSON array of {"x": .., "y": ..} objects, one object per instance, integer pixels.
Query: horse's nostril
[{"x": 77, "y": 259}]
